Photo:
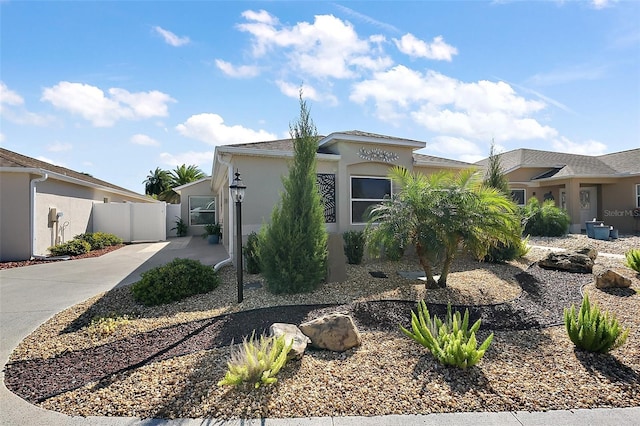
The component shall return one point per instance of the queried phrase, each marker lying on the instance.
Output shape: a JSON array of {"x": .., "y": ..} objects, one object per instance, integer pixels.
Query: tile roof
[
  {"x": 566, "y": 165},
  {"x": 13, "y": 159}
]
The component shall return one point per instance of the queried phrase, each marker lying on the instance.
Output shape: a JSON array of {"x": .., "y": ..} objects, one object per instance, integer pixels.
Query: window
[
  {"x": 202, "y": 210},
  {"x": 366, "y": 192},
  {"x": 518, "y": 196},
  {"x": 638, "y": 196}
]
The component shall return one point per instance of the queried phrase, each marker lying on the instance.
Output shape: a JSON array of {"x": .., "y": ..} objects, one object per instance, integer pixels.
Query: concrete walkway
[{"x": 31, "y": 295}]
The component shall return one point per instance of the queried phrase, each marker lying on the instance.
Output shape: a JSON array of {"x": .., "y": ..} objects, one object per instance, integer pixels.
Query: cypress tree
[
  {"x": 494, "y": 177},
  {"x": 293, "y": 247}
]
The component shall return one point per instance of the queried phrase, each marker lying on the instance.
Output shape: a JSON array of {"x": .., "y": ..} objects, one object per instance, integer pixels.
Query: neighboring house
[
  {"x": 605, "y": 187},
  {"x": 43, "y": 204},
  {"x": 197, "y": 205},
  {"x": 352, "y": 170}
]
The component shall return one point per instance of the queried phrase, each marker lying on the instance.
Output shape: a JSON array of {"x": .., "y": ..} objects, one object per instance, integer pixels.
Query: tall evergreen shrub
[
  {"x": 293, "y": 247},
  {"x": 494, "y": 178}
]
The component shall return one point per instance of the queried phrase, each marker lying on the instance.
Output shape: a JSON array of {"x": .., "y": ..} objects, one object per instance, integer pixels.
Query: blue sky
[{"x": 116, "y": 89}]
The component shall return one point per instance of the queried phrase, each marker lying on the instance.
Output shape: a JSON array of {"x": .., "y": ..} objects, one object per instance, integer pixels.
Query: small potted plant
[
  {"x": 213, "y": 232},
  {"x": 181, "y": 227}
]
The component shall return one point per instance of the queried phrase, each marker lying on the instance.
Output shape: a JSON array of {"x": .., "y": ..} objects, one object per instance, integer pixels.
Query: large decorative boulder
[
  {"x": 291, "y": 332},
  {"x": 335, "y": 332},
  {"x": 567, "y": 261},
  {"x": 611, "y": 279}
]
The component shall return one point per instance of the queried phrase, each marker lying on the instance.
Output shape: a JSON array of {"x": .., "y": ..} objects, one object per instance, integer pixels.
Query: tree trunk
[
  {"x": 431, "y": 283},
  {"x": 446, "y": 265}
]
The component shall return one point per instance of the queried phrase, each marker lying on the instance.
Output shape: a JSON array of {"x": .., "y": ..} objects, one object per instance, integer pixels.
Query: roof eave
[{"x": 335, "y": 137}]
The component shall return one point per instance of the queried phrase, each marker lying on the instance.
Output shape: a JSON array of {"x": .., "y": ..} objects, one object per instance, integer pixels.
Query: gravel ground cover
[{"x": 165, "y": 362}]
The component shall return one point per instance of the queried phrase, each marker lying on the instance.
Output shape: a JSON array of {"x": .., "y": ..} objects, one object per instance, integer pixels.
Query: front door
[{"x": 588, "y": 205}]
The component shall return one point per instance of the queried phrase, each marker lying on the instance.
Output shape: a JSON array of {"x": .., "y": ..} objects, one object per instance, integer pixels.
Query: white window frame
[
  {"x": 638, "y": 195},
  {"x": 212, "y": 204},
  {"x": 351, "y": 199},
  {"x": 524, "y": 195}
]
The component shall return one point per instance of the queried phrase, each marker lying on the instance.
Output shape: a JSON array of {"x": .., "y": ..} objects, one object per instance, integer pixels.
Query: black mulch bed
[{"x": 545, "y": 294}]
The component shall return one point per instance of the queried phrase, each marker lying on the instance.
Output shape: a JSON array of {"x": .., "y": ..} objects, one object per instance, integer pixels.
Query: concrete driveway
[{"x": 31, "y": 295}]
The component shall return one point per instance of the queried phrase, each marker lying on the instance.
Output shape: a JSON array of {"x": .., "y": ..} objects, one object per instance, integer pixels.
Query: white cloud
[
  {"x": 328, "y": 47},
  {"x": 368, "y": 19},
  {"x": 59, "y": 147},
  {"x": 452, "y": 146},
  {"x": 202, "y": 160},
  {"x": 477, "y": 110},
  {"x": 242, "y": 71},
  {"x": 50, "y": 161},
  {"x": 602, "y": 4},
  {"x": 588, "y": 147},
  {"x": 308, "y": 92},
  {"x": 92, "y": 104},
  {"x": 140, "y": 139},
  {"x": 210, "y": 128},
  {"x": 12, "y": 109},
  {"x": 8, "y": 96},
  {"x": 437, "y": 49},
  {"x": 171, "y": 38}
]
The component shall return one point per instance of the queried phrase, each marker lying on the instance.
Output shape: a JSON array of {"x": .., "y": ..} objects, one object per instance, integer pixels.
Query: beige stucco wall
[
  {"x": 73, "y": 200},
  {"x": 201, "y": 188},
  {"x": 15, "y": 239},
  {"x": 618, "y": 202}
]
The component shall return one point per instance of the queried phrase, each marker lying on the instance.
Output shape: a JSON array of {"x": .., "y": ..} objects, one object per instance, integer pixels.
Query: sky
[{"x": 118, "y": 88}]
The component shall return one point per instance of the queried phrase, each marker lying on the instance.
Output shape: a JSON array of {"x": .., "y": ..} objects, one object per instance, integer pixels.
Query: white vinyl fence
[{"x": 133, "y": 222}]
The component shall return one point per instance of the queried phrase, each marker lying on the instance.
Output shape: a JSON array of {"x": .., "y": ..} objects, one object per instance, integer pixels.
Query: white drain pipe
[{"x": 33, "y": 191}]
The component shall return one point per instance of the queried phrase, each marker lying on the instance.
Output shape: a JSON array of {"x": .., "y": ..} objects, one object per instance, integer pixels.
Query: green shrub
[
  {"x": 256, "y": 362},
  {"x": 546, "y": 220},
  {"x": 502, "y": 252},
  {"x": 70, "y": 248},
  {"x": 451, "y": 342},
  {"x": 252, "y": 253},
  {"x": 99, "y": 240},
  {"x": 174, "y": 281},
  {"x": 354, "y": 242},
  {"x": 633, "y": 259},
  {"x": 592, "y": 330}
]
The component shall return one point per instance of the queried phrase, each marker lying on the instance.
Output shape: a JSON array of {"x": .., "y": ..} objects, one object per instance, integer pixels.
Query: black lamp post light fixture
[{"x": 237, "y": 194}]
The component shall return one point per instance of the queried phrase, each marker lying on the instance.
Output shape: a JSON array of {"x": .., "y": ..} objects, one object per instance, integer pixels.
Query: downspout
[
  {"x": 44, "y": 176},
  {"x": 230, "y": 220}
]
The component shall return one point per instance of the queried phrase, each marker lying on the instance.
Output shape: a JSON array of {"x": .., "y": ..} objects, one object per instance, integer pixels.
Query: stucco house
[
  {"x": 42, "y": 204},
  {"x": 605, "y": 187},
  {"x": 352, "y": 169}
]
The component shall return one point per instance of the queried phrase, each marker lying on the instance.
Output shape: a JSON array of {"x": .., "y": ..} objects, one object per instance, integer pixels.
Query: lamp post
[{"x": 237, "y": 193}]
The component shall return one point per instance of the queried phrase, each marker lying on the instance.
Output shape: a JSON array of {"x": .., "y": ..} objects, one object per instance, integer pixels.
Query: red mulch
[{"x": 92, "y": 253}]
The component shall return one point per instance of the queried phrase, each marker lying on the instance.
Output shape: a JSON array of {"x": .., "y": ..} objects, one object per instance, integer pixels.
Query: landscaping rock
[
  {"x": 568, "y": 261},
  {"x": 291, "y": 332},
  {"x": 335, "y": 332},
  {"x": 611, "y": 279},
  {"x": 589, "y": 251}
]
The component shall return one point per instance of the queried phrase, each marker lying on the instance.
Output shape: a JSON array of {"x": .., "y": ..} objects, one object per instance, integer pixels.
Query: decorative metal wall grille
[
  {"x": 376, "y": 154},
  {"x": 327, "y": 186}
]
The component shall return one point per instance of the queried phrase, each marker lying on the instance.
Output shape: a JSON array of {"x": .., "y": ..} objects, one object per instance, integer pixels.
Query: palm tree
[
  {"x": 440, "y": 213},
  {"x": 177, "y": 177},
  {"x": 156, "y": 182}
]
